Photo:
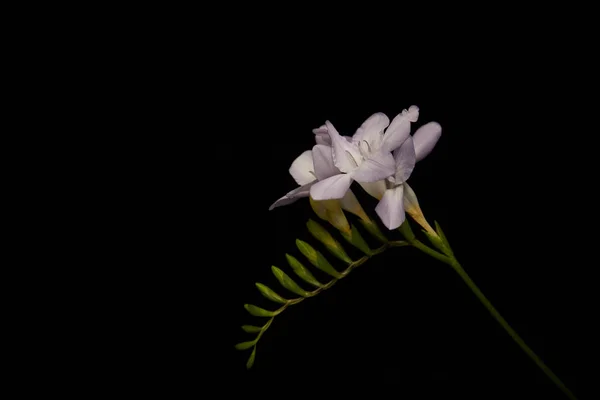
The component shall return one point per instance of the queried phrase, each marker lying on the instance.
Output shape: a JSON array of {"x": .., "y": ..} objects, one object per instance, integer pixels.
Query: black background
[{"x": 507, "y": 181}]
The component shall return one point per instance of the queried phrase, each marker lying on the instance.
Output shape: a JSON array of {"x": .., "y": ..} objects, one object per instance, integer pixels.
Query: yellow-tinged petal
[
  {"x": 331, "y": 211},
  {"x": 351, "y": 204},
  {"x": 412, "y": 208}
]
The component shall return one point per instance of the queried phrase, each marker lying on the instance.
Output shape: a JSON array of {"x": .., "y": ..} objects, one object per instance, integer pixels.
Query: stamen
[
  {"x": 368, "y": 146},
  {"x": 352, "y": 159}
]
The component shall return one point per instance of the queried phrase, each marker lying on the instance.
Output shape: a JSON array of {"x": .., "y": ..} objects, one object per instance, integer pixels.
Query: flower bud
[
  {"x": 412, "y": 208},
  {"x": 331, "y": 211}
]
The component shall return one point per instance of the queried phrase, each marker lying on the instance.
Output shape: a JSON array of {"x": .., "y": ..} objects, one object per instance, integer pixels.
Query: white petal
[
  {"x": 371, "y": 131},
  {"x": 302, "y": 169},
  {"x": 405, "y": 160},
  {"x": 397, "y": 132},
  {"x": 375, "y": 189},
  {"x": 425, "y": 139},
  {"x": 334, "y": 187},
  {"x": 345, "y": 154},
  {"x": 377, "y": 167},
  {"x": 412, "y": 113},
  {"x": 323, "y": 139},
  {"x": 391, "y": 209},
  {"x": 323, "y": 162},
  {"x": 321, "y": 135},
  {"x": 290, "y": 197},
  {"x": 322, "y": 130}
]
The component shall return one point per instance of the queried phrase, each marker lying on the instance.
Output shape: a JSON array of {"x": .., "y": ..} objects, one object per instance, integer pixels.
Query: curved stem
[
  {"x": 451, "y": 260},
  {"x": 530, "y": 353}
]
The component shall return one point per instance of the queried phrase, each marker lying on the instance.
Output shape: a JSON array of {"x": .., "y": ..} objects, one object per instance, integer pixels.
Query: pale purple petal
[
  {"x": 322, "y": 130},
  {"x": 323, "y": 162},
  {"x": 334, "y": 187},
  {"x": 290, "y": 197},
  {"x": 323, "y": 139},
  {"x": 345, "y": 154},
  {"x": 397, "y": 133},
  {"x": 302, "y": 169},
  {"x": 321, "y": 135},
  {"x": 375, "y": 189},
  {"x": 425, "y": 139},
  {"x": 371, "y": 131},
  {"x": 405, "y": 160},
  {"x": 391, "y": 208},
  {"x": 412, "y": 113},
  {"x": 378, "y": 166}
]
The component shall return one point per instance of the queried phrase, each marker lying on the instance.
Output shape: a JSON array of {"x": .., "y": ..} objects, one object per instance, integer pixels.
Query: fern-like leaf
[
  {"x": 260, "y": 312},
  {"x": 355, "y": 239},
  {"x": 270, "y": 294},
  {"x": 302, "y": 272},
  {"x": 319, "y": 261},
  {"x": 288, "y": 282},
  {"x": 332, "y": 245}
]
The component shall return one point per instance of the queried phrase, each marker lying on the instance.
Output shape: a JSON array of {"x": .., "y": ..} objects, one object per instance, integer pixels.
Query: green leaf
[
  {"x": 440, "y": 233},
  {"x": 317, "y": 259},
  {"x": 245, "y": 345},
  {"x": 250, "y": 362},
  {"x": 251, "y": 328},
  {"x": 302, "y": 271},
  {"x": 288, "y": 283},
  {"x": 328, "y": 241},
  {"x": 260, "y": 312},
  {"x": 373, "y": 229},
  {"x": 270, "y": 294},
  {"x": 357, "y": 240}
]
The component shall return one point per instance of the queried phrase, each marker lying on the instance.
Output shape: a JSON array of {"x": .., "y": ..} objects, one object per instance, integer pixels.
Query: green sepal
[
  {"x": 328, "y": 241},
  {"x": 270, "y": 294},
  {"x": 317, "y": 259},
  {"x": 252, "y": 329},
  {"x": 440, "y": 233},
  {"x": 374, "y": 230},
  {"x": 260, "y": 312},
  {"x": 436, "y": 241},
  {"x": 406, "y": 231},
  {"x": 288, "y": 282},
  {"x": 250, "y": 361},
  {"x": 245, "y": 345},
  {"x": 302, "y": 272},
  {"x": 355, "y": 239}
]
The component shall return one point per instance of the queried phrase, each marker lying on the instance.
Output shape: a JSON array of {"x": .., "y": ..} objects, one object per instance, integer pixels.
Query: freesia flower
[
  {"x": 307, "y": 169},
  {"x": 395, "y": 195},
  {"x": 322, "y": 135},
  {"x": 366, "y": 157}
]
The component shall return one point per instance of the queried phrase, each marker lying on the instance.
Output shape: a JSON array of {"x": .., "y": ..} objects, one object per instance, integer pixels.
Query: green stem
[
  {"x": 534, "y": 357},
  {"x": 429, "y": 251},
  {"x": 451, "y": 260}
]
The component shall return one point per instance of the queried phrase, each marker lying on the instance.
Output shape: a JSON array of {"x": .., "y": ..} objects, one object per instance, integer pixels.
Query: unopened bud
[{"x": 331, "y": 211}]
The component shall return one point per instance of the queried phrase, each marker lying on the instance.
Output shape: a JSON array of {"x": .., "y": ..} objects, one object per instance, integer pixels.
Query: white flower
[
  {"x": 306, "y": 170},
  {"x": 394, "y": 193},
  {"x": 366, "y": 157}
]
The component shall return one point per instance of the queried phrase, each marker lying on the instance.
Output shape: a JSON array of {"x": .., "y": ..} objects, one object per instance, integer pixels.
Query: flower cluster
[{"x": 380, "y": 156}]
